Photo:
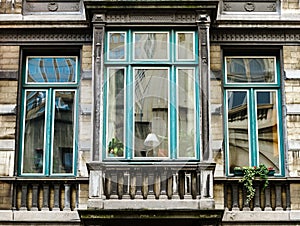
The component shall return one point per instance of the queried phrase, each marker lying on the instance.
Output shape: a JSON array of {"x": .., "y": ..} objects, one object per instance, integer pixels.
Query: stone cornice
[
  {"x": 265, "y": 36},
  {"x": 73, "y": 36}
]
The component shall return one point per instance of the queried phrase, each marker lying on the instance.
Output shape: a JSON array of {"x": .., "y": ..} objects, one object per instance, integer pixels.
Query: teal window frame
[
  {"x": 129, "y": 64},
  {"x": 251, "y": 89},
  {"x": 50, "y": 88}
]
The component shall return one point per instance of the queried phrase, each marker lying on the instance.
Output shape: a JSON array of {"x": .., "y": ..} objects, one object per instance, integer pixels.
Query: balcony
[
  {"x": 151, "y": 186},
  {"x": 276, "y": 197}
]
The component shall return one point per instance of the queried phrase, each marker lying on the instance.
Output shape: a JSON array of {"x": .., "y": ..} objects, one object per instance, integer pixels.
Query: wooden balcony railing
[
  {"x": 276, "y": 197},
  {"x": 150, "y": 182},
  {"x": 48, "y": 194}
]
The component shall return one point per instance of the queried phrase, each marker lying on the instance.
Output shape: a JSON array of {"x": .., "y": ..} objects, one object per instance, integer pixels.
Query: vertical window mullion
[
  {"x": 129, "y": 121},
  {"x": 173, "y": 115},
  {"x": 253, "y": 128},
  {"x": 49, "y": 131}
]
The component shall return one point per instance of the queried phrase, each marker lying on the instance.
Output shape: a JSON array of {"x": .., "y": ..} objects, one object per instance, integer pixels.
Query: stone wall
[
  {"x": 216, "y": 96},
  {"x": 290, "y": 4},
  {"x": 10, "y": 6},
  {"x": 292, "y": 97},
  {"x": 9, "y": 65}
]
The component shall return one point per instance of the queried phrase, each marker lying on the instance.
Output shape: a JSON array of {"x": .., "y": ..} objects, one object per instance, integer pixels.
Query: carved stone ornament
[
  {"x": 52, "y": 6},
  {"x": 146, "y": 18},
  {"x": 72, "y": 36},
  {"x": 249, "y": 6}
]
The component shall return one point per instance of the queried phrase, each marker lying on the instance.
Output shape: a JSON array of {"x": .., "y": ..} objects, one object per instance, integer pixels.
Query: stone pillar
[
  {"x": 97, "y": 81},
  {"x": 204, "y": 76},
  {"x": 206, "y": 185},
  {"x": 96, "y": 174}
]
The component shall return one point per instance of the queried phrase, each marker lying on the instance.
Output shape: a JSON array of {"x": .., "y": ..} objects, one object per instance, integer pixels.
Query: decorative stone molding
[
  {"x": 263, "y": 6},
  {"x": 54, "y": 6},
  {"x": 142, "y": 18},
  {"x": 25, "y": 36},
  {"x": 246, "y": 36}
]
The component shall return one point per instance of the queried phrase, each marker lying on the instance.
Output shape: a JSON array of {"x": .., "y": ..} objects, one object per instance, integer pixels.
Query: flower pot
[
  {"x": 238, "y": 172},
  {"x": 271, "y": 172}
]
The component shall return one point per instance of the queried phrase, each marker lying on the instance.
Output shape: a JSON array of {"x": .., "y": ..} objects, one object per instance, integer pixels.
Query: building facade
[{"x": 141, "y": 112}]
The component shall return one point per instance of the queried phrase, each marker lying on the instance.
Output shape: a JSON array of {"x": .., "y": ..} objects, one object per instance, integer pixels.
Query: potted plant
[
  {"x": 249, "y": 175},
  {"x": 238, "y": 171},
  {"x": 115, "y": 148}
]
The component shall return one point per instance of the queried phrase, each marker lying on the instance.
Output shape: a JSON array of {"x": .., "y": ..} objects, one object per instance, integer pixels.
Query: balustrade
[
  {"x": 51, "y": 195},
  {"x": 276, "y": 197},
  {"x": 151, "y": 182}
]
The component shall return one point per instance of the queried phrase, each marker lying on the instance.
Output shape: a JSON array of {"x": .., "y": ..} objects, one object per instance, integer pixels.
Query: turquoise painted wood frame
[
  {"x": 60, "y": 83},
  {"x": 251, "y": 90},
  {"x": 126, "y": 58}
]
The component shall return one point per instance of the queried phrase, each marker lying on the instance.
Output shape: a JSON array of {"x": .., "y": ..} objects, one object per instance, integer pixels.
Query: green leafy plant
[
  {"x": 249, "y": 174},
  {"x": 115, "y": 148}
]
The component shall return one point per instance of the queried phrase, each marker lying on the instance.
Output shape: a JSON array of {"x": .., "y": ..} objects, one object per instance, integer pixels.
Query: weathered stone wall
[
  {"x": 85, "y": 110},
  {"x": 9, "y": 64},
  {"x": 10, "y": 6},
  {"x": 216, "y": 108},
  {"x": 290, "y": 4},
  {"x": 292, "y": 98}
]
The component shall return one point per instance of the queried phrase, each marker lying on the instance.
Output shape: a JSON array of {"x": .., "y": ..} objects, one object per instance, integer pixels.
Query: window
[
  {"x": 49, "y": 108},
  {"x": 151, "y": 96},
  {"x": 252, "y": 115}
]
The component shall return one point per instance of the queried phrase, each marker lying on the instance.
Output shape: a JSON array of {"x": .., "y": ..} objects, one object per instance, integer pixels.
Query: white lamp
[{"x": 151, "y": 140}]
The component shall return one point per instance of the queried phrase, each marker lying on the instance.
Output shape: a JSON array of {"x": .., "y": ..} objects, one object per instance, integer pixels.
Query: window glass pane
[
  {"x": 237, "y": 125},
  {"x": 186, "y": 112},
  {"x": 151, "y": 113},
  {"x": 116, "y": 45},
  {"x": 34, "y": 132},
  {"x": 151, "y": 46},
  {"x": 250, "y": 70},
  {"x": 51, "y": 69},
  {"x": 115, "y": 113},
  {"x": 185, "y": 46},
  {"x": 63, "y": 140},
  {"x": 267, "y": 126}
]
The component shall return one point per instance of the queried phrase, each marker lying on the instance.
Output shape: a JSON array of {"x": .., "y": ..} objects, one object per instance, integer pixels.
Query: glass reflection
[
  {"x": 151, "y": 113},
  {"x": 186, "y": 109},
  {"x": 63, "y": 140},
  {"x": 238, "y": 129},
  {"x": 115, "y": 113},
  {"x": 51, "y": 69},
  {"x": 185, "y": 46},
  {"x": 116, "y": 46},
  {"x": 34, "y": 132},
  {"x": 149, "y": 46},
  {"x": 267, "y": 124},
  {"x": 250, "y": 70}
]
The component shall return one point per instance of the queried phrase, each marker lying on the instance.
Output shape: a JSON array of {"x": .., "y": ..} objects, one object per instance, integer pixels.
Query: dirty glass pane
[
  {"x": 51, "y": 69},
  {"x": 186, "y": 112},
  {"x": 116, "y": 46},
  {"x": 185, "y": 46},
  {"x": 34, "y": 132},
  {"x": 250, "y": 70},
  {"x": 267, "y": 125},
  {"x": 151, "y": 113},
  {"x": 238, "y": 129},
  {"x": 63, "y": 137},
  {"x": 151, "y": 46},
  {"x": 115, "y": 113}
]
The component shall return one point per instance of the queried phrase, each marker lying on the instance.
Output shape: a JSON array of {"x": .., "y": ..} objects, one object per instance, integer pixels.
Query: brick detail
[
  {"x": 9, "y": 57},
  {"x": 87, "y": 57}
]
